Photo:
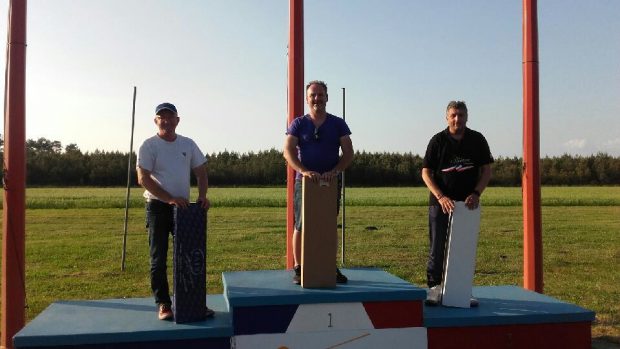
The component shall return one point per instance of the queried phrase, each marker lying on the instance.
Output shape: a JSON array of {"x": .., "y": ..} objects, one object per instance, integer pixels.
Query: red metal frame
[
  {"x": 13, "y": 237},
  {"x": 295, "y": 104},
  {"x": 532, "y": 224}
]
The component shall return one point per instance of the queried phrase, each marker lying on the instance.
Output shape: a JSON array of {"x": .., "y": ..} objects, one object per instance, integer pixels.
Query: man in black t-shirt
[{"x": 457, "y": 167}]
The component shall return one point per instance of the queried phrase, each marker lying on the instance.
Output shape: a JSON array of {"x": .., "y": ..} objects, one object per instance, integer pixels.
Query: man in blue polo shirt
[{"x": 312, "y": 147}]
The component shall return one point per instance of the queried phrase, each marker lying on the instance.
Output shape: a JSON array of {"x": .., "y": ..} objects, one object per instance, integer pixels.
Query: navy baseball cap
[{"x": 163, "y": 106}]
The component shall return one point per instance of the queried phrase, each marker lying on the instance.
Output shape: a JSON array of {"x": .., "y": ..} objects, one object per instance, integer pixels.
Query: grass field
[{"x": 74, "y": 242}]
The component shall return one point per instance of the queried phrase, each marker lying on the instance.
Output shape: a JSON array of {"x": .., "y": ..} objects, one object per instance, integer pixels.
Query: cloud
[
  {"x": 613, "y": 143},
  {"x": 576, "y": 143}
]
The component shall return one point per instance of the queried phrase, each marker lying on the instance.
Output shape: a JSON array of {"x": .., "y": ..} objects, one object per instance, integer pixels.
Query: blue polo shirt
[{"x": 318, "y": 148}]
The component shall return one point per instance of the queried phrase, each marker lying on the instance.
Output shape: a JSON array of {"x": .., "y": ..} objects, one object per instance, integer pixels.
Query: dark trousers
[
  {"x": 438, "y": 234},
  {"x": 160, "y": 223}
]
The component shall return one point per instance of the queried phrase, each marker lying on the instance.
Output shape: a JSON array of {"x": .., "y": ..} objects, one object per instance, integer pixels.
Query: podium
[{"x": 189, "y": 264}]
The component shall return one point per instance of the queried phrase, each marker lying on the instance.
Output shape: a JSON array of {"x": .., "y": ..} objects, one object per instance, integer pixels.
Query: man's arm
[
  {"x": 148, "y": 183},
  {"x": 203, "y": 185},
  {"x": 290, "y": 154},
  {"x": 473, "y": 200},
  {"x": 447, "y": 204},
  {"x": 345, "y": 159}
]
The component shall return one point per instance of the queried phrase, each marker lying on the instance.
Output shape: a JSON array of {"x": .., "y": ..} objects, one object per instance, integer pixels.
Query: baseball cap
[{"x": 166, "y": 105}]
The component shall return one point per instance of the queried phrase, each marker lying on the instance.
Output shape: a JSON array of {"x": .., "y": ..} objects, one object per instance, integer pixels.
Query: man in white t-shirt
[{"x": 164, "y": 165}]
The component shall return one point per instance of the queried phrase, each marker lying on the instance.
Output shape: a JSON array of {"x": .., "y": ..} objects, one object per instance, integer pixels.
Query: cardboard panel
[
  {"x": 189, "y": 264},
  {"x": 319, "y": 234},
  {"x": 461, "y": 256}
]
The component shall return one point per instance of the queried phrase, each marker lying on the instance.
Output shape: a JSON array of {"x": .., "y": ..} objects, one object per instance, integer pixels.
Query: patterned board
[
  {"x": 190, "y": 281},
  {"x": 319, "y": 236},
  {"x": 461, "y": 256}
]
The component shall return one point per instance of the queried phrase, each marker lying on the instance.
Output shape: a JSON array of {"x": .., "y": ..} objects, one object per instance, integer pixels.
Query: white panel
[
  {"x": 461, "y": 256},
  {"x": 329, "y": 317},
  {"x": 391, "y": 338}
]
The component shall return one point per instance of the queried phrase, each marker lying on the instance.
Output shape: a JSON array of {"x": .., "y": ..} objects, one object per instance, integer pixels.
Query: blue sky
[{"x": 223, "y": 63}]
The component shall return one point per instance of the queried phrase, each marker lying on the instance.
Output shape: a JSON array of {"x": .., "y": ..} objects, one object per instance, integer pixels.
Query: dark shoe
[
  {"x": 340, "y": 279},
  {"x": 297, "y": 275},
  {"x": 209, "y": 312},
  {"x": 473, "y": 302},
  {"x": 165, "y": 312}
]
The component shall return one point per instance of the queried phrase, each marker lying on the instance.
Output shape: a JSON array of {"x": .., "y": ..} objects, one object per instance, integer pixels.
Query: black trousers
[
  {"x": 438, "y": 234},
  {"x": 160, "y": 223}
]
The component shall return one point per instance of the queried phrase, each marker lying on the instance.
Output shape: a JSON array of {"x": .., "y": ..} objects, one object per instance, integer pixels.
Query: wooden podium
[{"x": 319, "y": 236}]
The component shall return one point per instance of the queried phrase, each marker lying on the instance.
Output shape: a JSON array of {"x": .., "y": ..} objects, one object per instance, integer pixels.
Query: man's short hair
[
  {"x": 460, "y": 105},
  {"x": 317, "y": 82}
]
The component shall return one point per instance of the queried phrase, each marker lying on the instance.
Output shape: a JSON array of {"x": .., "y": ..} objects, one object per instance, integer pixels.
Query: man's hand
[
  {"x": 447, "y": 204},
  {"x": 312, "y": 175},
  {"x": 472, "y": 201},
  {"x": 179, "y": 202},
  {"x": 327, "y": 176},
  {"x": 204, "y": 202}
]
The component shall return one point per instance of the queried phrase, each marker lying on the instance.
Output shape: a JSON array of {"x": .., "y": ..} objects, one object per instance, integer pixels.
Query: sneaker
[
  {"x": 340, "y": 278},
  {"x": 297, "y": 275},
  {"x": 433, "y": 296},
  {"x": 473, "y": 302},
  {"x": 209, "y": 312},
  {"x": 165, "y": 312}
]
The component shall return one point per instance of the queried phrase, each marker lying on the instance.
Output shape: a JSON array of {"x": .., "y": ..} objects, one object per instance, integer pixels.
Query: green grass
[
  {"x": 75, "y": 253},
  {"x": 64, "y": 198}
]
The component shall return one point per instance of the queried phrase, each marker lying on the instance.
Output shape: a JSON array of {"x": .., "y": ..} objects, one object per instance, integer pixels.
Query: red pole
[
  {"x": 532, "y": 224},
  {"x": 13, "y": 240},
  {"x": 295, "y": 104}
]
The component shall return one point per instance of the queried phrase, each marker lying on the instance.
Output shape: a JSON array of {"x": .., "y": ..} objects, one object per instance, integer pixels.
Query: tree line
[{"x": 48, "y": 163}]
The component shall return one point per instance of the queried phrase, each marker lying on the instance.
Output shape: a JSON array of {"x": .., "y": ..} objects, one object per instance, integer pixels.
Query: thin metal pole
[
  {"x": 133, "y": 119},
  {"x": 342, "y": 254}
]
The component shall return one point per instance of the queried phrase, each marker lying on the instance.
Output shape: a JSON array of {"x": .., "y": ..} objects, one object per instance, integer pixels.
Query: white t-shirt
[{"x": 170, "y": 163}]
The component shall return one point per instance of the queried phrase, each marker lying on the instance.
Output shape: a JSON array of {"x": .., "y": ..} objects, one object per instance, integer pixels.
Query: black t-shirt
[{"x": 455, "y": 165}]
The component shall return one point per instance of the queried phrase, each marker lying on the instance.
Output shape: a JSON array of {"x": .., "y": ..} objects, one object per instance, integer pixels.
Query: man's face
[
  {"x": 457, "y": 120},
  {"x": 166, "y": 122},
  {"x": 316, "y": 98}
]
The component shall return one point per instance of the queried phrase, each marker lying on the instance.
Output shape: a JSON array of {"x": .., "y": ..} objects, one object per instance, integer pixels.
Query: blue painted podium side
[{"x": 122, "y": 323}]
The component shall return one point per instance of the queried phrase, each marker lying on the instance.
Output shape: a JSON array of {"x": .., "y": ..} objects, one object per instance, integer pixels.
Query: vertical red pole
[
  {"x": 13, "y": 241},
  {"x": 532, "y": 225},
  {"x": 295, "y": 104}
]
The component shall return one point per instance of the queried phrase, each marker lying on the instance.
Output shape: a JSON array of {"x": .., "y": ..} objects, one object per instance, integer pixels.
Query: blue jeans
[
  {"x": 160, "y": 223},
  {"x": 438, "y": 234}
]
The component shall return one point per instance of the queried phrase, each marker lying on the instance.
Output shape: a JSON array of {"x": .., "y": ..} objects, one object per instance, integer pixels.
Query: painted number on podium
[{"x": 330, "y": 319}]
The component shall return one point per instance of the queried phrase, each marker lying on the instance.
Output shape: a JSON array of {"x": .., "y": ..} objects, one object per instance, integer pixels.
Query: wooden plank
[
  {"x": 319, "y": 240},
  {"x": 461, "y": 256}
]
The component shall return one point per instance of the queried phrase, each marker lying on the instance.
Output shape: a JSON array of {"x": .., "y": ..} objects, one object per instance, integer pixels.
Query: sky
[{"x": 224, "y": 65}]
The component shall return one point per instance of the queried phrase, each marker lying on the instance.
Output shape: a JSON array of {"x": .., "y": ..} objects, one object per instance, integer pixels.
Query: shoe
[
  {"x": 297, "y": 275},
  {"x": 209, "y": 312},
  {"x": 340, "y": 278},
  {"x": 165, "y": 312},
  {"x": 473, "y": 302},
  {"x": 433, "y": 296}
]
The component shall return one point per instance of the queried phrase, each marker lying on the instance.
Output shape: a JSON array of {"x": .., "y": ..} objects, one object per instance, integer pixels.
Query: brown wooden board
[{"x": 319, "y": 239}]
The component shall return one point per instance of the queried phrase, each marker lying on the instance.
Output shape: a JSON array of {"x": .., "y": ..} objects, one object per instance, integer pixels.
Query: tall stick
[
  {"x": 342, "y": 254},
  {"x": 133, "y": 118}
]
